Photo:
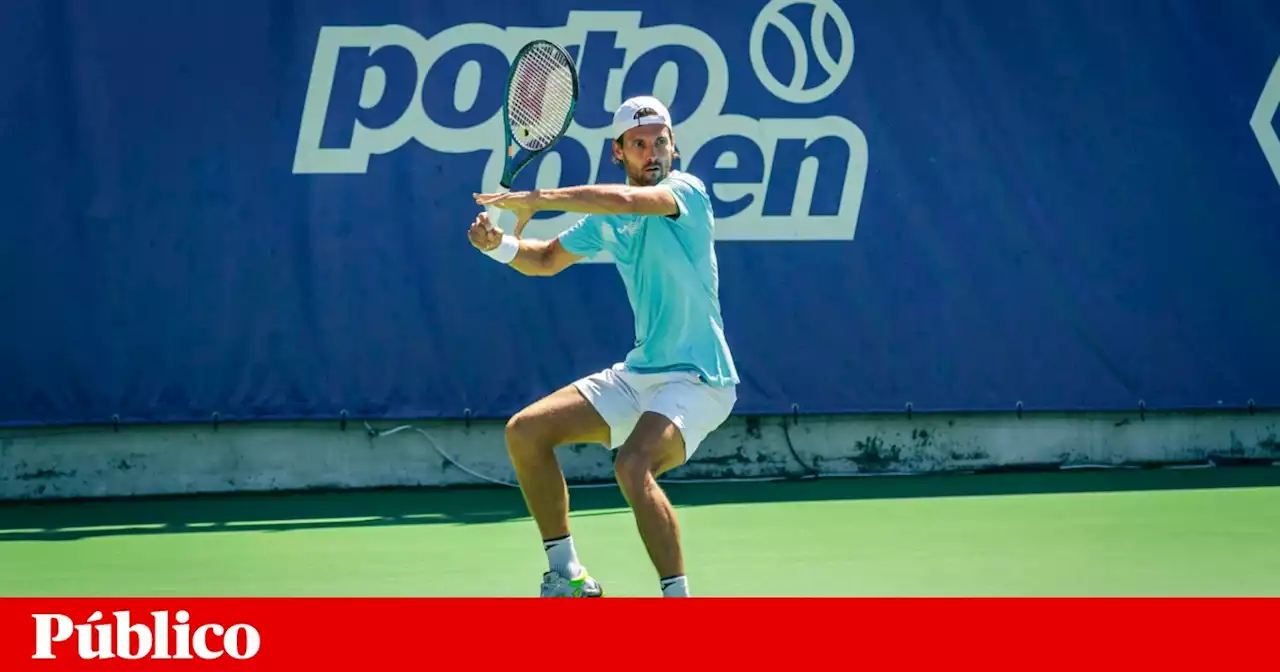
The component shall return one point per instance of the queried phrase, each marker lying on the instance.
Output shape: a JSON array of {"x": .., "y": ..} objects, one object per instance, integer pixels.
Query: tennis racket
[{"x": 538, "y": 106}]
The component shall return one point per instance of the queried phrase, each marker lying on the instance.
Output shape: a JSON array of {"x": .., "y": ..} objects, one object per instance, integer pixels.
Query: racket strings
[{"x": 541, "y": 98}]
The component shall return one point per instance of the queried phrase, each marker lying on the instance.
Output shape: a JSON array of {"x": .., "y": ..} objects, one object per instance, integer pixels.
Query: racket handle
[{"x": 494, "y": 213}]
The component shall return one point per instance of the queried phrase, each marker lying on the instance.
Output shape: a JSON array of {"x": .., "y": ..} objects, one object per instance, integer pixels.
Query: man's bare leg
[
  {"x": 655, "y": 446},
  {"x": 533, "y": 434}
]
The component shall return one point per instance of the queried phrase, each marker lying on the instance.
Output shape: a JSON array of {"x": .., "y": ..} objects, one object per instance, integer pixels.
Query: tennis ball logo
[{"x": 835, "y": 68}]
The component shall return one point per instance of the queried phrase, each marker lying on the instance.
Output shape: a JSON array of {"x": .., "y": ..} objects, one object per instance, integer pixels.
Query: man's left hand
[{"x": 523, "y": 203}]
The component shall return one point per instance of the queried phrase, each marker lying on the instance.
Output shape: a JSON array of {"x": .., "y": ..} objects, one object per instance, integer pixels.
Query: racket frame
[{"x": 511, "y": 167}]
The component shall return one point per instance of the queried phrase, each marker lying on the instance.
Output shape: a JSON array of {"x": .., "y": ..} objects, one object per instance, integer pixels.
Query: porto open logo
[
  {"x": 166, "y": 637},
  {"x": 794, "y": 168}
]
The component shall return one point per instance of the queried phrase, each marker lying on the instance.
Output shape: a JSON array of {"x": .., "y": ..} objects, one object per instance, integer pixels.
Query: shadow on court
[{"x": 71, "y": 520}]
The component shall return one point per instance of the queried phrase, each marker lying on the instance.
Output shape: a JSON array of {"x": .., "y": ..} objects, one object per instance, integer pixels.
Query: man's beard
[{"x": 645, "y": 177}]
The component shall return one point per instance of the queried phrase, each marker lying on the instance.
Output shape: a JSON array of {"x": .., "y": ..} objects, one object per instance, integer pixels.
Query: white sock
[
  {"x": 561, "y": 556},
  {"x": 675, "y": 586}
]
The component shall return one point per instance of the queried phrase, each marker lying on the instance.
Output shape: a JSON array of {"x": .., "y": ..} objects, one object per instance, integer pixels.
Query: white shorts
[{"x": 621, "y": 396}]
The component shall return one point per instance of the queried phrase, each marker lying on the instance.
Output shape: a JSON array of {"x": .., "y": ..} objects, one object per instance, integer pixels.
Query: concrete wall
[{"x": 96, "y": 462}]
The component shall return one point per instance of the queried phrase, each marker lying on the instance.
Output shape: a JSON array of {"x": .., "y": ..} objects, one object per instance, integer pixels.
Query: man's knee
[
  {"x": 631, "y": 468},
  {"x": 526, "y": 431},
  {"x": 656, "y": 446}
]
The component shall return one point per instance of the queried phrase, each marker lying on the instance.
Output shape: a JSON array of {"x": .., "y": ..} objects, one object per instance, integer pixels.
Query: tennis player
[{"x": 677, "y": 384}]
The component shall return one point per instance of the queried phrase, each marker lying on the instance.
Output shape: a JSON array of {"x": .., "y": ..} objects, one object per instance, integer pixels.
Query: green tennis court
[{"x": 1137, "y": 532}]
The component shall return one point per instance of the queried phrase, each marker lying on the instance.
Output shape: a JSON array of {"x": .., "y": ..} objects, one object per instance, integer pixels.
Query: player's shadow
[{"x": 71, "y": 520}]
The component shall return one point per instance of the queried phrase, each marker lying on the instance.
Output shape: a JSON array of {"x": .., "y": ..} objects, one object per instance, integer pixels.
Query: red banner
[{"x": 702, "y": 633}]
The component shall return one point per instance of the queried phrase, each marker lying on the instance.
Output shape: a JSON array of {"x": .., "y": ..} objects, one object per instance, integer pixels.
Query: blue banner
[{"x": 258, "y": 208}]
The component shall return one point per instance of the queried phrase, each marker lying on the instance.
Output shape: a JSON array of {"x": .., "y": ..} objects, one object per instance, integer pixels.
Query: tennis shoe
[{"x": 556, "y": 585}]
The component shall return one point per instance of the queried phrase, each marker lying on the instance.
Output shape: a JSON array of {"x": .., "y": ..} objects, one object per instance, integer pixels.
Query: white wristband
[{"x": 506, "y": 251}]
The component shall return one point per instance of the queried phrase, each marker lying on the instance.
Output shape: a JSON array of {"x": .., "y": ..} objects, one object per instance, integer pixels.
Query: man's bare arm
[
  {"x": 591, "y": 199},
  {"x": 542, "y": 257},
  {"x": 528, "y": 256},
  {"x": 608, "y": 199}
]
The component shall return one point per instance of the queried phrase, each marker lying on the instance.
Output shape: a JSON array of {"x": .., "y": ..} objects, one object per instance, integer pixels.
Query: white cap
[{"x": 639, "y": 111}]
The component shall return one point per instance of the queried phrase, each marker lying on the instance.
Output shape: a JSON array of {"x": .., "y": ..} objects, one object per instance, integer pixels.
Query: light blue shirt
[{"x": 668, "y": 265}]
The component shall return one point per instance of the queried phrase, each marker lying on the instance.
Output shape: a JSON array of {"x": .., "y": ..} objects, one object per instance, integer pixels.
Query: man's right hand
[{"x": 483, "y": 235}]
